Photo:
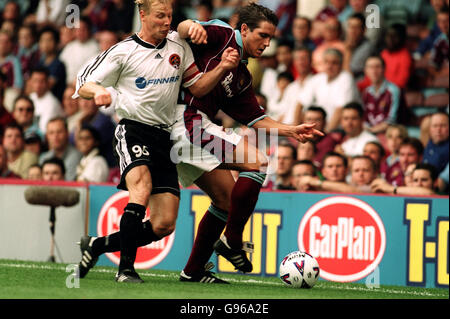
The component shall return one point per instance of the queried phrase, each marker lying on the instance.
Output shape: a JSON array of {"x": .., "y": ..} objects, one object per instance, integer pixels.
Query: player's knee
[{"x": 163, "y": 229}]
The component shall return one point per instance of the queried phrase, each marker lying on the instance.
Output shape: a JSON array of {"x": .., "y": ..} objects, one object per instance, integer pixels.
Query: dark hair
[
  {"x": 285, "y": 143},
  {"x": 59, "y": 118},
  {"x": 284, "y": 42},
  {"x": 32, "y": 27},
  {"x": 444, "y": 9},
  {"x": 40, "y": 69},
  {"x": 16, "y": 126},
  {"x": 306, "y": 162},
  {"x": 335, "y": 154},
  {"x": 88, "y": 22},
  {"x": 308, "y": 21},
  {"x": 56, "y": 161},
  {"x": 51, "y": 30},
  {"x": 414, "y": 143},
  {"x": 379, "y": 146},
  {"x": 23, "y": 97},
  {"x": 315, "y": 108},
  {"x": 360, "y": 17},
  {"x": 372, "y": 162},
  {"x": 207, "y": 4},
  {"x": 376, "y": 56},
  {"x": 253, "y": 14},
  {"x": 94, "y": 132},
  {"x": 285, "y": 75},
  {"x": 355, "y": 106},
  {"x": 428, "y": 167},
  {"x": 302, "y": 48},
  {"x": 400, "y": 29}
]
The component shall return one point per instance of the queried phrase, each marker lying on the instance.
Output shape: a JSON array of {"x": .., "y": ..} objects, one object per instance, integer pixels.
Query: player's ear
[{"x": 244, "y": 29}]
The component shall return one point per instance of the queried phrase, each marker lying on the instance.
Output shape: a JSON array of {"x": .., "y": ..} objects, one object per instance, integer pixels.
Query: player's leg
[
  {"x": 217, "y": 184},
  {"x": 243, "y": 201},
  {"x": 139, "y": 184}
]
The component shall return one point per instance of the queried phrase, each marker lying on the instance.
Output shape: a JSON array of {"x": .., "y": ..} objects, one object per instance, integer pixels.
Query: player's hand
[
  {"x": 305, "y": 132},
  {"x": 102, "y": 97},
  {"x": 230, "y": 59},
  {"x": 197, "y": 34}
]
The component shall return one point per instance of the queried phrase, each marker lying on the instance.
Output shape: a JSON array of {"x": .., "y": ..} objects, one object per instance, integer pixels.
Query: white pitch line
[{"x": 249, "y": 281}]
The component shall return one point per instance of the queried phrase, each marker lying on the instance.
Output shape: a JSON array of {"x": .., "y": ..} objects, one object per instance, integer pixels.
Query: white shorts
[{"x": 199, "y": 144}]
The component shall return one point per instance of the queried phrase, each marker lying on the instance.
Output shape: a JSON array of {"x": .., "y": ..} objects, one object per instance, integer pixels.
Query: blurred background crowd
[{"x": 373, "y": 75}]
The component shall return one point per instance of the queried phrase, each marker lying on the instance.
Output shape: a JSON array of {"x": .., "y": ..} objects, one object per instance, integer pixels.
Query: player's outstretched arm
[
  {"x": 92, "y": 90},
  {"x": 301, "y": 133}
]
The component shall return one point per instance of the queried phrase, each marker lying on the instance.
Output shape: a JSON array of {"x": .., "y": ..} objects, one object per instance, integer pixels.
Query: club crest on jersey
[{"x": 175, "y": 61}]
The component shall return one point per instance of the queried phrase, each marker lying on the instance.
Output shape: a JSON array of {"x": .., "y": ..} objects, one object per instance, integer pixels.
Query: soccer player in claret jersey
[
  {"x": 145, "y": 72},
  {"x": 232, "y": 202}
]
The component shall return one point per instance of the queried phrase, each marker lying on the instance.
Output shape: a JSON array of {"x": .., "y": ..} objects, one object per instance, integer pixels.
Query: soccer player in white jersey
[{"x": 145, "y": 72}]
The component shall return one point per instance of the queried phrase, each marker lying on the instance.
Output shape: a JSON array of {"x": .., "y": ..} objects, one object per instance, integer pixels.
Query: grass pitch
[{"x": 41, "y": 280}]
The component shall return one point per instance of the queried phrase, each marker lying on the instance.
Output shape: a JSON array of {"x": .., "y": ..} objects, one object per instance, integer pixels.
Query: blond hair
[{"x": 145, "y": 5}]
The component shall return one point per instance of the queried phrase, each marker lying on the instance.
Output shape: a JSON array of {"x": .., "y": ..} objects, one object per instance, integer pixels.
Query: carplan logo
[
  {"x": 108, "y": 222},
  {"x": 345, "y": 235}
]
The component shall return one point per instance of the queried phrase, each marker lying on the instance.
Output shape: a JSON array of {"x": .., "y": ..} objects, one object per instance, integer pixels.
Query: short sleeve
[{"x": 104, "y": 70}]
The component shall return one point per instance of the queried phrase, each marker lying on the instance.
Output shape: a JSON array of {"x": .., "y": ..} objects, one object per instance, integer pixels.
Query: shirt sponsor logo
[{"x": 142, "y": 83}]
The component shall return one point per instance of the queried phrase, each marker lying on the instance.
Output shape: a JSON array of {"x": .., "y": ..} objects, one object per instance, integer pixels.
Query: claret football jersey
[
  {"x": 234, "y": 93},
  {"x": 146, "y": 78}
]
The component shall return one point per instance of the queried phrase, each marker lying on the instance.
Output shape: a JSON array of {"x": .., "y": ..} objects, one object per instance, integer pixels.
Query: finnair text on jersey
[{"x": 142, "y": 83}]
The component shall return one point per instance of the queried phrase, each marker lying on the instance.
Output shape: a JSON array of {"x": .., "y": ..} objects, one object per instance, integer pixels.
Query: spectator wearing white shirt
[
  {"x": 331, "y": 89},
  {"x": 291, "y": 108},
  {"x": 92, "y": 167},
  {"x": 355, "y": 136},
  {"x": 78, "y": 52},
  {"x": 52, "y": 12},
  {"x": 46, "y": 105}
]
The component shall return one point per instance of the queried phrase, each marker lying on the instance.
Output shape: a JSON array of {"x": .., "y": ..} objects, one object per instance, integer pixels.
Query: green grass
[{"x": 40, "y": 280}]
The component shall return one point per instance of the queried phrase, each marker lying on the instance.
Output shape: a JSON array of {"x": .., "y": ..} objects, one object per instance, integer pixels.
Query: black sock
[
  {"x": 130, "y": 224},
  {"x": 111, "y": 242}
]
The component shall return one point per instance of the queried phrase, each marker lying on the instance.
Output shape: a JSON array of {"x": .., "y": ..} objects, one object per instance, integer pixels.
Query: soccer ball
[{"x": 299, "y": 270}]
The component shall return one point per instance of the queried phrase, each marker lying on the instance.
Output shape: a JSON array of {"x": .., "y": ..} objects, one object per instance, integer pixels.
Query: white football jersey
[{"x": 146, "y": 78}]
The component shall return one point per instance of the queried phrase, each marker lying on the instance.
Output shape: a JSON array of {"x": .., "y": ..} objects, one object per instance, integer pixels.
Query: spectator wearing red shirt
[{"x": 397, "y": 56}]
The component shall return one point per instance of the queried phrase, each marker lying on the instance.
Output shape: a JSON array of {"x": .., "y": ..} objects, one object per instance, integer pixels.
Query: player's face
[
  {"x": 157, "y": 22},
  {"x": 256, "y": 41}
]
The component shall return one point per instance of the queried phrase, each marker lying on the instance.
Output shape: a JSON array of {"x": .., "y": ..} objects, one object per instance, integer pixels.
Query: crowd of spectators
[{"x": 378, "y": 89}]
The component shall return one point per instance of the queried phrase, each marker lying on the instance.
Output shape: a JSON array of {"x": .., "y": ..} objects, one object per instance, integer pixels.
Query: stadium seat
[
  {"x": 414, "y": 99},
  {"x": 441, "y": 81},
  {"x": 437, "y": 100}
]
